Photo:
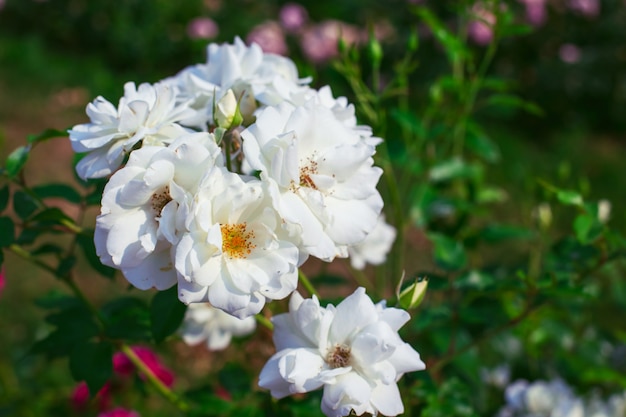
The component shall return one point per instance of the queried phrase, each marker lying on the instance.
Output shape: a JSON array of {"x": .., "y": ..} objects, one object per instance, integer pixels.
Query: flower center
[
  {"x": 237, "y": 240},
  {"x": 306, "y": 170},
  {"x": 160, "y": 200},
  {"x": 338, "y": 356}
]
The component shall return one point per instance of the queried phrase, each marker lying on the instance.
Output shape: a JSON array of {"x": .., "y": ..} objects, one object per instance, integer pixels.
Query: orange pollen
[
  {"x": 160, "y": 200},
  {"x": 305, "y": 174},
  {"x": 237, "y": 240},
  {"x": 339, "y": 356}
]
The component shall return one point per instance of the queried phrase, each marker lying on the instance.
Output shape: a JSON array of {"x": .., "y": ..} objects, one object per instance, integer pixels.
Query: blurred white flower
[
  {"x": 254, "y": 76},
  {"x": 205, "y": 323},
  {"x": 234, "y": 252},
  {"x": 143, "y": 204},
  {"x": 375, "y": 247},
  {"x": 149, "y": 114},
  {"x": 541, "y": 399},
  {"x": 498, "y": 377},
  {"x": 604, "y": 210},
  {"x": 320, "y": 174},
  {"x": 353, "y": 351}
]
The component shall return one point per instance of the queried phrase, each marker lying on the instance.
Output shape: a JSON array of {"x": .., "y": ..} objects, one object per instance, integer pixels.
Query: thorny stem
[{"x": 154, "y": 381}]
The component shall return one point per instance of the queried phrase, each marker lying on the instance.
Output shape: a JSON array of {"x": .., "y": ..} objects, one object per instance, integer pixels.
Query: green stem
[
  {"x": 264, "y": 321},
  {"x": 152, "y": 378},
  {"x": 306, "y": 283}
]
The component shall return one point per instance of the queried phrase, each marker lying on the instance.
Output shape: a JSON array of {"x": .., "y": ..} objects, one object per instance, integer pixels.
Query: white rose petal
[{"x": 351, "y": 350}]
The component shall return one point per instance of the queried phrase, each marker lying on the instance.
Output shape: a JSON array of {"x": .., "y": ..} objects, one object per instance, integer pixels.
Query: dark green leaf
[
  {"x": 127, "y": 318},
  {"x": 48, "y": 248},
  {"x": 454, "y": 47},
  {"x": 7, "y": 231},
  {"x": 53, "y": 215},
  {"x": 166, "y": 313},
  {"x": 92, "y": 362},
  {"x": 329, "y": 280},
  {"x": 65, "y": 266},
  {"x": 235, "y": 379},
  {"x": 588, "y": 228},
  {"x": 57, "y": 299},
  {"x": 63, "y": 191},
  {"x": 85, "y": 241},
  {"x": 498, "y": 232},
  {"x": 509, "y": 100},
  {"x": 24, "y": 205},
  {"x": 449, "y": 253},
  {"x": 16, "y": 160},
  {"x": 46, "y": 135},
  {"x": 4, "y": 197}
]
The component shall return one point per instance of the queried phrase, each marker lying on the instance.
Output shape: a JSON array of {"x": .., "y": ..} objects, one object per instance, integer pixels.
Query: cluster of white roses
[
  {"x": 556, "y": 399},
  {"x": 224, "y": 179}
]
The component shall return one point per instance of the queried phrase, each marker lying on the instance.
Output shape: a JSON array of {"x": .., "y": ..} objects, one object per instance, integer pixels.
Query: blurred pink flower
[
  {"x": 319, "y": 42},
  {"x": 80, "y": 397},
  {"x": 570, "y": 53},
  {"x": 588, "y": 8},
  {"x": 536, "y": 13},
  {"x": 270, "y": 37},
  {"x": 119, "y": 412},
  {"x": 2, "y": 275},
  {"x": 480, "y": 29},
  {"x": 293, "y": 17},
  {"x": 202, "y": 28},
  {"x": 124, "y": 367}
]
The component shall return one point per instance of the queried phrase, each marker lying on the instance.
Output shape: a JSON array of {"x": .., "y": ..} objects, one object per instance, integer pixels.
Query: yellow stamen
[{"x": 237, "y": 240}]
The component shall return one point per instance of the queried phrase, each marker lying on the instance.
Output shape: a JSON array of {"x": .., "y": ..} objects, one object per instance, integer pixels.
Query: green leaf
[
  {"x": 93, "y": 363},
  {"x": 455, "y": 49},
  {"x": 588, "y": 228},
  {"x": 52, "y": 215},
  {"x": 127, "y": 318},
  {"x": 454, "y": 168},
  {"x": 4, "y": 197},
  {"x": 480, "y": 144},
  {"x": 56, "y": 299},
  {"x": 65, "y": 266},
  {"x": 329, "y": 280},
  {"x": 85, "y": 241},
  {"x": 63, "y": 191},
  {"x": 509, "y": 100},
  {"x": 46, "y": 135},
  {"x": 16, "y": 160},
  {"x": 449, "y": 253},
  {"x": 7, "y": 231},
  {"x": 568, "y": 197},
  {"x": 166, "y": 313},
  {"x": 24, "y": 205}
]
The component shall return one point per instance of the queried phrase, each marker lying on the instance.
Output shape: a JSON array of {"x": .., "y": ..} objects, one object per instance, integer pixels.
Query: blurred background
[{"x": 57, "y": 55}]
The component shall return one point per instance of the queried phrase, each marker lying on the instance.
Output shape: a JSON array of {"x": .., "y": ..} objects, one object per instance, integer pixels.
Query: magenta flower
[
  {"x": 119, "y": 412},
  {"x": 124, "y": 367},
  {"x": 80, "y": 397},
  {"x": 2, "y": 277},
  {"x": 569, "y": 53},
  {"x": 319, "y": 42},
  {"x": 202, "y": 28},
  {"x": 536, "y": 13},
  {"x": 293, "y": 17},
  {"x": 270, "y": 37},
  {"x": 480, "y": 30}
]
